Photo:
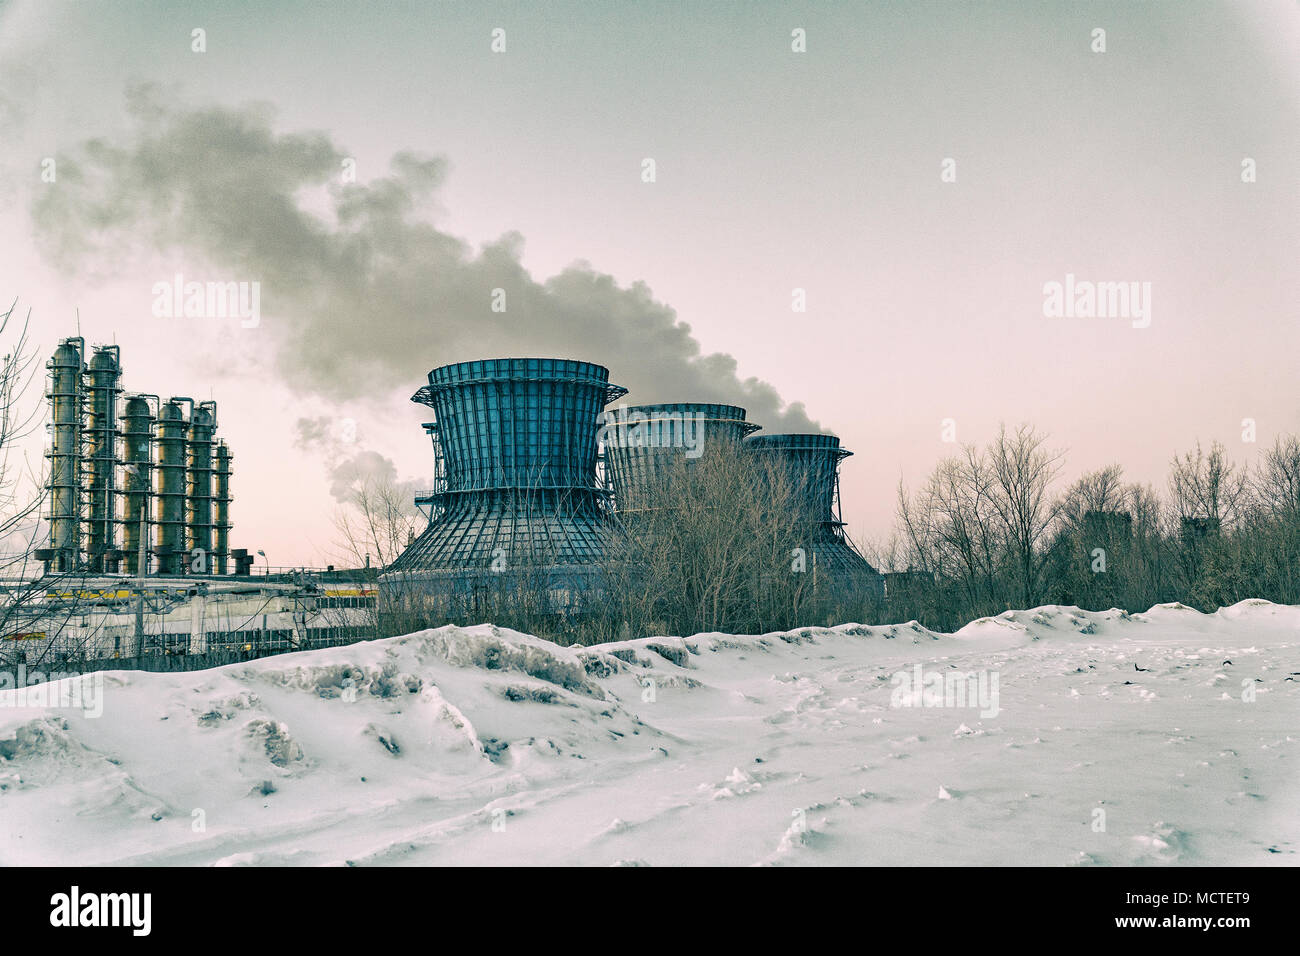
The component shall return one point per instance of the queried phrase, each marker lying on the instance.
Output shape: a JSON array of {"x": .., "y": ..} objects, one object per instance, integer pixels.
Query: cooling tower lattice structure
[
  {"x": 644, "y": 442},
  {"x": 515, "y": 442},
  {"x": 814, "y": 462}
]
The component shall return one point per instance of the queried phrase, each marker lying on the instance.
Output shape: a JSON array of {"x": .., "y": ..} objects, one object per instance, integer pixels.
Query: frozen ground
[{"x": 485, "y": 746}]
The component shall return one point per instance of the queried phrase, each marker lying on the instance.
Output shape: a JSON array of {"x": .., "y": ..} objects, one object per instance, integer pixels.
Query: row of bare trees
[
  {"x": 729, "y": 546},
  {"x": 988, "y": 531}
]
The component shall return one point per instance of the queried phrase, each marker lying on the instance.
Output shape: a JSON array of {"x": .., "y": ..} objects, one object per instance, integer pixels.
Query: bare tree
[
  {"x": 1208, "y": 487},
  {"x": 378, "y": 520},
  {"x": 1276, "y": 483},
  {"x": 1024, "y": 469},
  {"x": 21, "y": 495},
  {"x": 729, "y": 547}
]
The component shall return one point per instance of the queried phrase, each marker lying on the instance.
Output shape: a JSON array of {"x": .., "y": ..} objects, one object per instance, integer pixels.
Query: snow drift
[{"x": 1168, "y": 737}]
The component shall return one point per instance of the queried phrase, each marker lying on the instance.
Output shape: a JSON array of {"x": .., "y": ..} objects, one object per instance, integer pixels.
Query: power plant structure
[
  {"x": 643, "y": 443},
  {"x": 813, "y": 464},
  {"x": 517, "y": 493},
  {"x": 121, "y": 468},
  {"x": 533, "y": 476}
]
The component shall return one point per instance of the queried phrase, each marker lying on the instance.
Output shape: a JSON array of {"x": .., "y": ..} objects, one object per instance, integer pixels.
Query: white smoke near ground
[
  {"x": 359, "y": 290},
  {"x": 349, "y": 467}
]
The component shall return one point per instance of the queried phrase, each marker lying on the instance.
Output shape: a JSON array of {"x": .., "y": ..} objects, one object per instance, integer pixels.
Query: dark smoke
[{"x": 366, "y": 295}]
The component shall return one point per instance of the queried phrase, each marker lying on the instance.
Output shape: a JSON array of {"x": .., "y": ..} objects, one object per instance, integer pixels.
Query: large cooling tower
[
  {"x": 814, "y": 462},
  {"x": 516, "y": 443},
  {"x": 643, "y": 442}
]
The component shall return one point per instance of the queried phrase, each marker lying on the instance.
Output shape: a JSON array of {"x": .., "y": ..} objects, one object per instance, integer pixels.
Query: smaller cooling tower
[
  {"x": 814, "y": 462},
  {"x": 643, "y": 442}
]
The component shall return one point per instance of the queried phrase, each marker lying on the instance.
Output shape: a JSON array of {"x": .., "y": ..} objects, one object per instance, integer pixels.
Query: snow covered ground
[{"x": 1101, "y": 738}]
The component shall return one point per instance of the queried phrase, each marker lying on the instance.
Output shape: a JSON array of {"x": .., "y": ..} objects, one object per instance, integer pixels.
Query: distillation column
[
  {"x": 65, "y": 454},
  {"x": 198, "y": 483},
  {"x": 137, "y": 442},
  {"x": 221, "y": 507},
  {"x": 100, "y": 460},
  {"x": 170, "y": 498}
]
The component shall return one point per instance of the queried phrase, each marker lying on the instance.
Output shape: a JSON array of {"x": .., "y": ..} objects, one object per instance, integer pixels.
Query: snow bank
[{"x": 1052, "y": 735}]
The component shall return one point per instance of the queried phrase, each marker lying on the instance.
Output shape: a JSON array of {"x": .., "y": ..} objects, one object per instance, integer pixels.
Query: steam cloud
[
  {"x": 364, "y": 294},
  {"x": 350, "y": 468}
]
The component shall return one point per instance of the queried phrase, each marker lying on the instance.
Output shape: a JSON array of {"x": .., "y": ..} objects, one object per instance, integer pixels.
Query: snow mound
[{"x": 486, "y": 746}]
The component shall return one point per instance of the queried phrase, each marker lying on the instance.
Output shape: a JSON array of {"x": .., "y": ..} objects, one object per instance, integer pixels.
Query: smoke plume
[{"x": 360, "y": 292}]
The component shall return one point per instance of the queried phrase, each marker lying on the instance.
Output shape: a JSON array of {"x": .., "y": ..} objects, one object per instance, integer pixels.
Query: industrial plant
[
  {"x": 138, "y": 569},
  {"x": 536, "y": 478},
  {"x": 104, "y": 454},
  {"x": 533, "y": 477}
]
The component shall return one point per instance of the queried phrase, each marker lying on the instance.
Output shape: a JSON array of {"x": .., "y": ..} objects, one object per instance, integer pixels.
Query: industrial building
[
  {"x": 534, "y": 478},
  {"x": 138, "y": 569},
  {"x": 175, "y": 623},
  {"x": 123, "y": 469}
]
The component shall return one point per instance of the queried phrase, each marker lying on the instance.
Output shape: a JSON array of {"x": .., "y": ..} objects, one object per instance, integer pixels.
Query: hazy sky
[{"x": 775, "y": 171}]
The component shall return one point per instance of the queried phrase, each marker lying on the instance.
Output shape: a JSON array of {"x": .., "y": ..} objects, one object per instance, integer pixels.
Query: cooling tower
[
  {"x": 643, "y": 442},
  {"x": 515, "y": 442},
  {"x": 814, "y": 462}
]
